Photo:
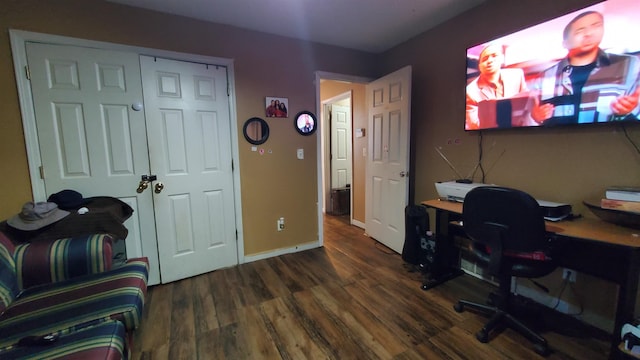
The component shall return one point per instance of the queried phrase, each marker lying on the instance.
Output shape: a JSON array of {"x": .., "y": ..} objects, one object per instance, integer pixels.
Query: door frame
[
  {"x": 19, "y": 38},
  {"x": 323, "y": 135}
]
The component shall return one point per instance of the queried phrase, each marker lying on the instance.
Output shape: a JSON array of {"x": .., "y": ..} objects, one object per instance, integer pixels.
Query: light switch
[{"x": 300, "y": 154}]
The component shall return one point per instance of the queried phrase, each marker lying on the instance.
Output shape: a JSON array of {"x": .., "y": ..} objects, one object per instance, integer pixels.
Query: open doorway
[
  {"x": 343, "y": 147},
  {"x": 381, "y": 116},
  {"x": 336, "y": 114}
]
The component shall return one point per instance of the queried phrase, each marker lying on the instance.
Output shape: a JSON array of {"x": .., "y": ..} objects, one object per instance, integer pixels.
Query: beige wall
[
  {"x": 273, "y": 185},
  {"x": 561, "y": 164},
  {"x": 329, "y": 89}
]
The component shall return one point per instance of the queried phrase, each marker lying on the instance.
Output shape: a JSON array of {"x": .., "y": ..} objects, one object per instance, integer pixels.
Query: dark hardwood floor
[{"x": 351, "y": 299}]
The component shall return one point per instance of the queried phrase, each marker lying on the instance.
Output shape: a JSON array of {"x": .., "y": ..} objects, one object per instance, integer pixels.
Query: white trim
[
  {"x": 357, "y": 223},
  {"x": 19, "y": 38},
  {"x": 319, "y": 138},
  {"x": 282, "y": 251},
  {"x": 235, "y": 153},
  {"x": 340, "y": 77},
  {"x": 19, "y": 51}
]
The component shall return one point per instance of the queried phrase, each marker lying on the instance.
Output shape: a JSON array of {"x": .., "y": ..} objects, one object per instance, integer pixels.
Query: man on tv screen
[
  {"x": 589, "y": 85},
  {"x": 494, "y": 82}
]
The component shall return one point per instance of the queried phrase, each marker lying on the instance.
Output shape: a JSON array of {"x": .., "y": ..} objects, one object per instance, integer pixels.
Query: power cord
[
  {"x": 480, "y": 156},
  {"x": 540, "y": 286},
  {"x": 559, "y": 297},
  {"x": 579, "y": 302},
  {"x": 626, "y": 134}
]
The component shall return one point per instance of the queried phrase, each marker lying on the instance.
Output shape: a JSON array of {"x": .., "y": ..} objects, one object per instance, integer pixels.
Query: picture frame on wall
[{"x": 276, "y": 107}]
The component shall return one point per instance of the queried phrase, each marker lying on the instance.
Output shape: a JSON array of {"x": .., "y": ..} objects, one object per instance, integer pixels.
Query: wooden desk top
[{"x": 583, "y": 228}]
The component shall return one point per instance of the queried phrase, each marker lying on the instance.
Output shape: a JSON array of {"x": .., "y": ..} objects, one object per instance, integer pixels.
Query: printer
[
  {"x": 630, "y": 335},
  {"x": 554, "y": 211},
  {"x": 456, "y": 191}
]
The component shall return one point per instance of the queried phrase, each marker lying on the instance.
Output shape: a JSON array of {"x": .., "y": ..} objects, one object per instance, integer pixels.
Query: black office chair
[{"x": 507, "y": 232}]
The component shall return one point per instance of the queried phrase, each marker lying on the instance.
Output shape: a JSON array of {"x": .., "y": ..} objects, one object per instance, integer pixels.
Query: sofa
[{"x": 62, "y": 299}]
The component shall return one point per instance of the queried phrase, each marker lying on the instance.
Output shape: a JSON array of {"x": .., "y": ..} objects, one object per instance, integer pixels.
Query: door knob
[
  {"x": 403, "y": 174},
  {"x": 142, "y": 186},
  {"x": 145, "y": 180},
  {"x": 158, "y": 187}
]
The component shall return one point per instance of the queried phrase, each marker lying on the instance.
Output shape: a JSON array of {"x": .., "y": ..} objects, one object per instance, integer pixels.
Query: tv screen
[{"x": 579, "y": 68}]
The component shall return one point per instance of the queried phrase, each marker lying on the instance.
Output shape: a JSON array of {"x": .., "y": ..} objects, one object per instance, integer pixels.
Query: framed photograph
[{"x": 276, "y": 107}]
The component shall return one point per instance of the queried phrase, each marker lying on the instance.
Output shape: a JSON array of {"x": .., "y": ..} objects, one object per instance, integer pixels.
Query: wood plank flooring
[{"x": 351, "y": 299}]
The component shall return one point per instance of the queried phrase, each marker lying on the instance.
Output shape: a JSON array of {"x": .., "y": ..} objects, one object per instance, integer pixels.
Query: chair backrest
[{"x": 514, "y": 215}]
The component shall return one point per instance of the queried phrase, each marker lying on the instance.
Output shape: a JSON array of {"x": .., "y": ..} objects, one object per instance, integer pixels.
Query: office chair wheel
[
  {"x": 482, "y": 336},
  {"x": 458, "y": 307},
  {"x": 541, "y": 349}
]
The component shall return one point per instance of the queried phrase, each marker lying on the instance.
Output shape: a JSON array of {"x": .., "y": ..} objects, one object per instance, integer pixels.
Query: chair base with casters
[{"x": 499, "y": 312}]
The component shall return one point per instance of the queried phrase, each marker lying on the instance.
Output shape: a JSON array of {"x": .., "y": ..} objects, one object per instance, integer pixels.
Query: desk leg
[{"x": 445, "y": 265}]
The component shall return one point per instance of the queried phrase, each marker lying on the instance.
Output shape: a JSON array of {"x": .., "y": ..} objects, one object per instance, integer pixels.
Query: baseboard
[
  {"x": 278, "y": 252},
  {"x": 357, "y": 223}
]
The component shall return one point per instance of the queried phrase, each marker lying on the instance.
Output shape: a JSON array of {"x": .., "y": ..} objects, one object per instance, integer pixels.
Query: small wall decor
[
  {"x": 305, "y": 122},
  {"x": 276, "y": 107},
  {"x": 256, "y": 131}
]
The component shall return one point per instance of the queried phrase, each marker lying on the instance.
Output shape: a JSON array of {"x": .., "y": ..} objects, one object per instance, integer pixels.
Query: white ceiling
[{"x": 368, "y": 25}]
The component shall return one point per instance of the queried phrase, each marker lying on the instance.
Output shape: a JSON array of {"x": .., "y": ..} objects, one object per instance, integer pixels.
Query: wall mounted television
[{"x": 579, "y": 68}]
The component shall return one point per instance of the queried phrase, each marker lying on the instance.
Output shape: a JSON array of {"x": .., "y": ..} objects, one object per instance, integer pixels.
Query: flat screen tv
[{"x": 579, "y": 68}]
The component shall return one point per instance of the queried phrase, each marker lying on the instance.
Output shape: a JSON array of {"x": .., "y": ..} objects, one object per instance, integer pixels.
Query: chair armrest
[{"x": 43, "y": 262}]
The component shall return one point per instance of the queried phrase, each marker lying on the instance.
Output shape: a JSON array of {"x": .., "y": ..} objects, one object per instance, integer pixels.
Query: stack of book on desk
[{"x": 622, "y": 198}]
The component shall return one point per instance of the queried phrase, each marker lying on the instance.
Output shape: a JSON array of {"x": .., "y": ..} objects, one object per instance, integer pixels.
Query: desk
[{"x": 589, "y": 246}]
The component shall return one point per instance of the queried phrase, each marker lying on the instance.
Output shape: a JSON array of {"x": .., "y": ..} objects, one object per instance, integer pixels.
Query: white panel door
[
  {"x": 90, "y": 138},
  {"x": 340, "y": 146},
  {"x": 189, "y": 132},
  {"x": 387, "y": 167}
]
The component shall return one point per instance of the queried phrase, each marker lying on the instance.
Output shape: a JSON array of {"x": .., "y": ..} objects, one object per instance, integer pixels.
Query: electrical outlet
[
  {"x": 280, "y": 224},
  {"x": 568, "y": 274}
]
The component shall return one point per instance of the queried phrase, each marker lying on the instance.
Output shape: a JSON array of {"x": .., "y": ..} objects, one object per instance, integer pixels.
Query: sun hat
[
  {"x": 36, "y": 215},
  {"x": 68, "y": 199}
]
